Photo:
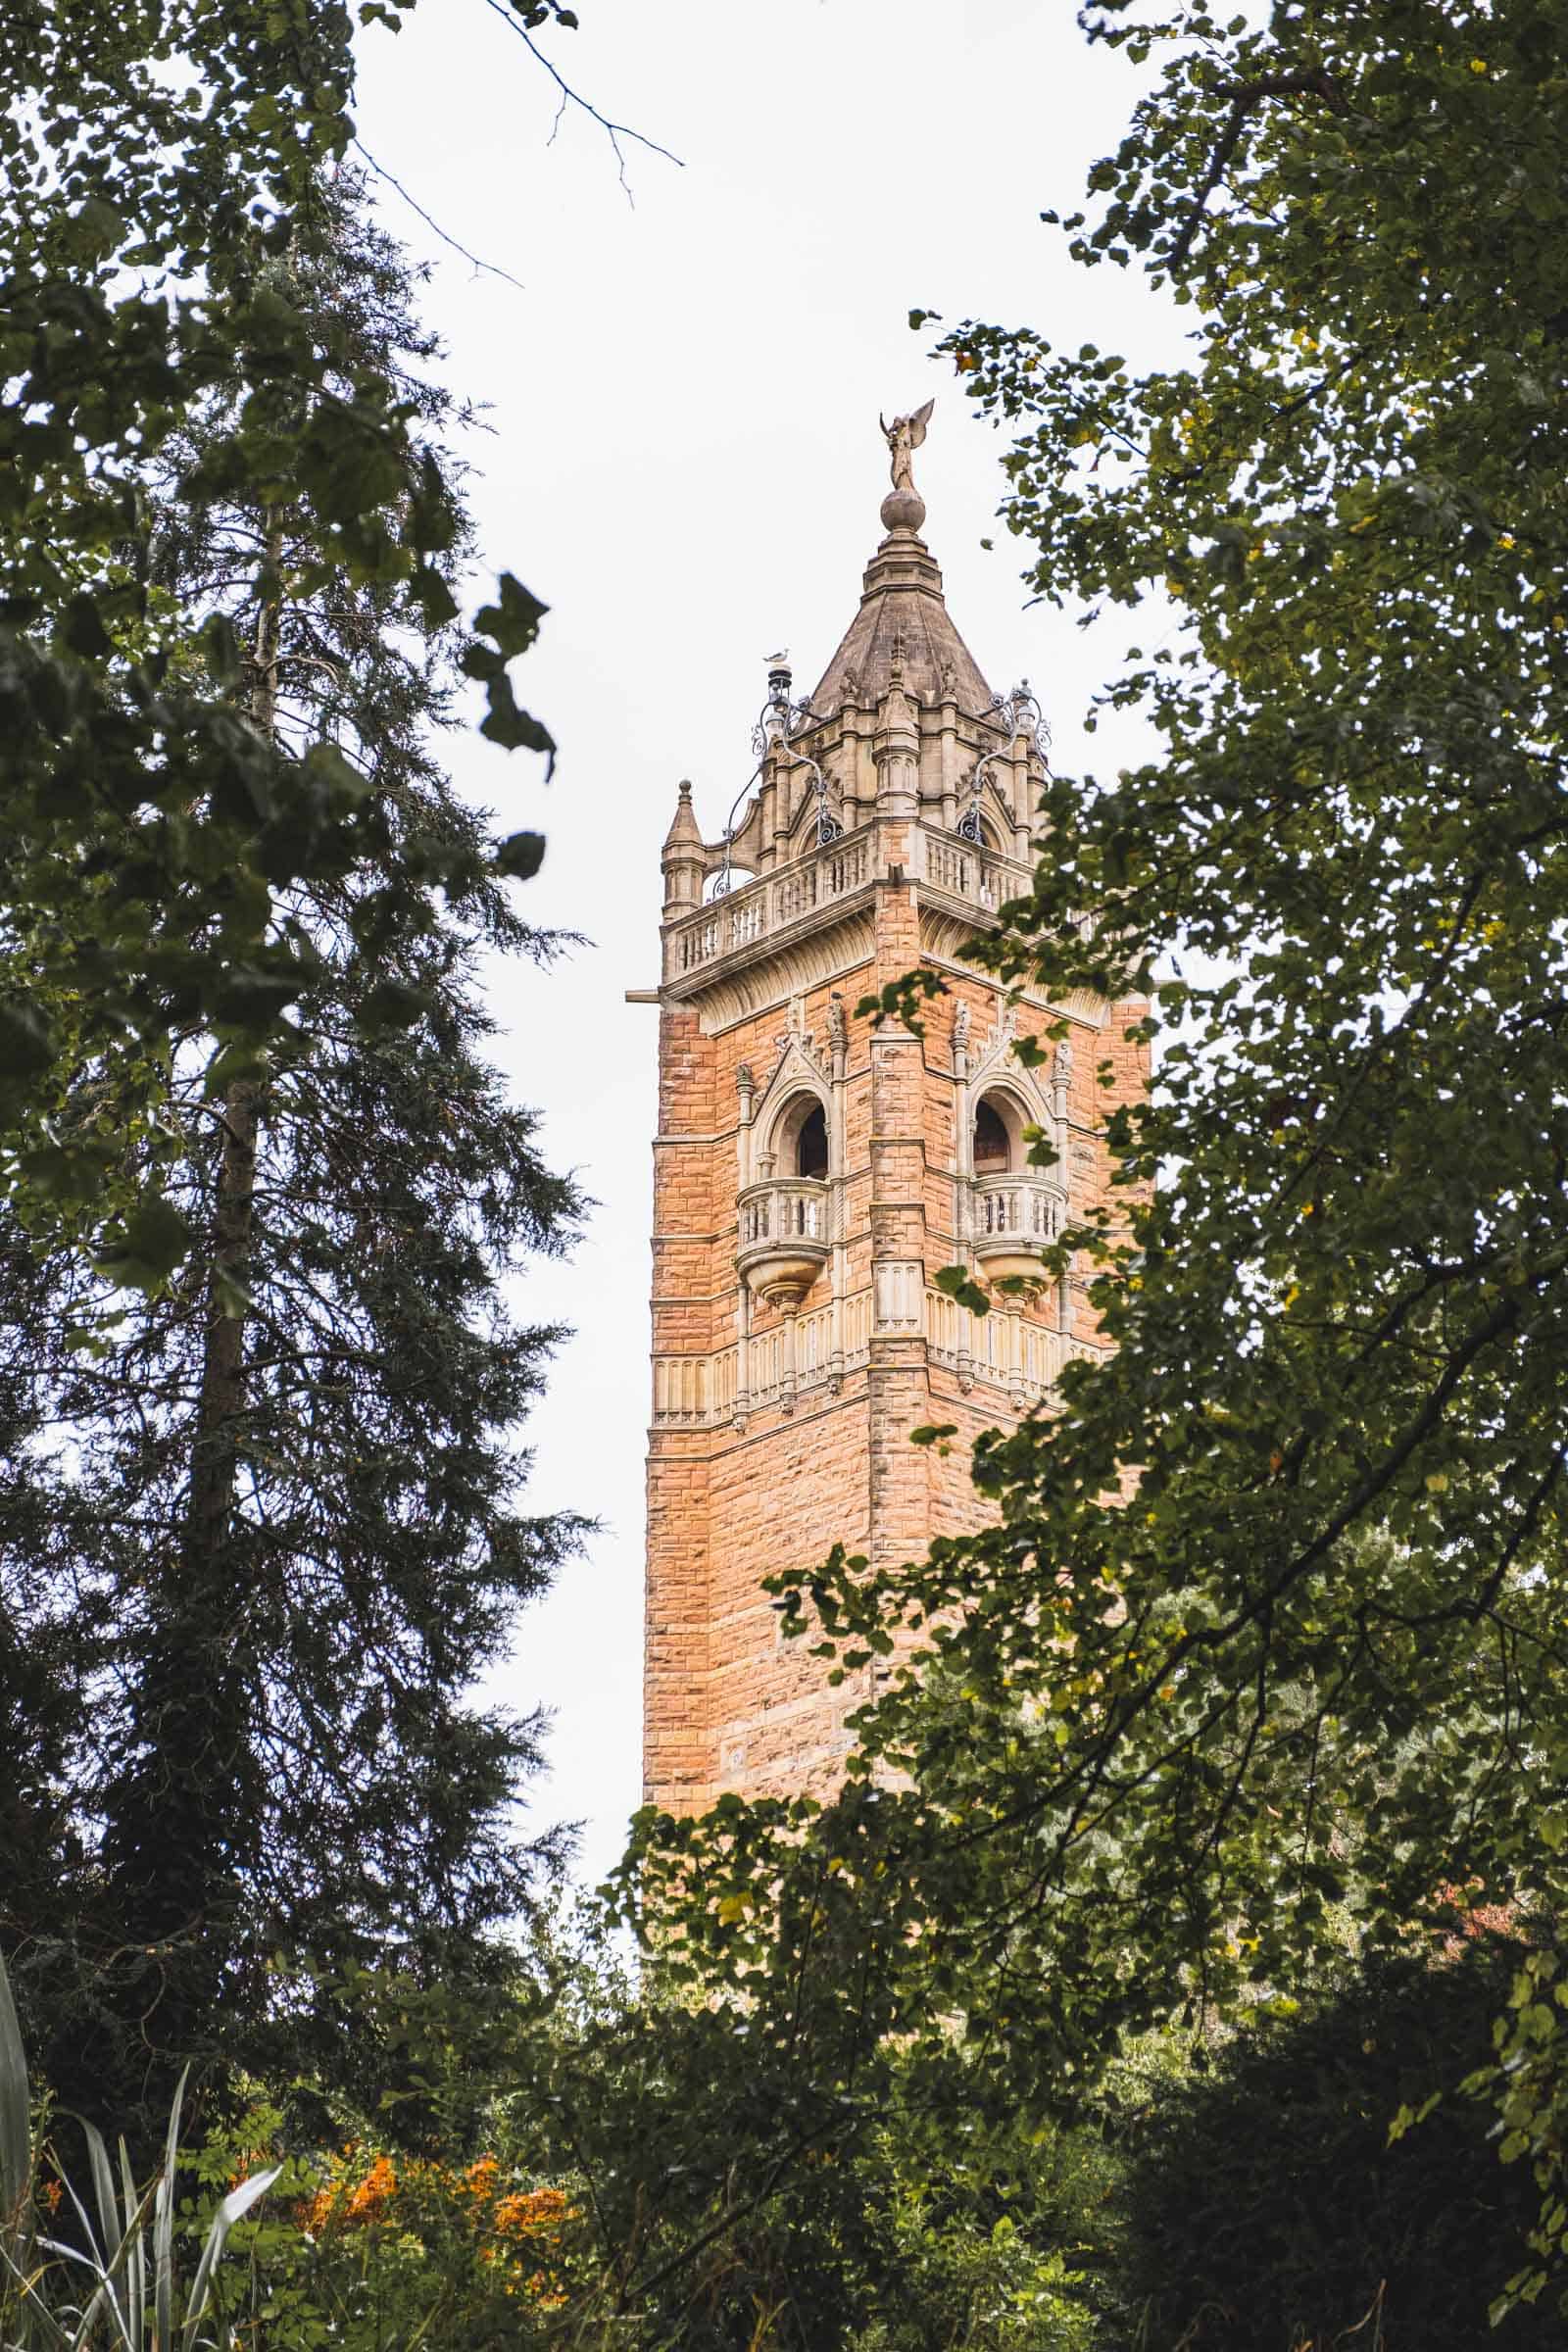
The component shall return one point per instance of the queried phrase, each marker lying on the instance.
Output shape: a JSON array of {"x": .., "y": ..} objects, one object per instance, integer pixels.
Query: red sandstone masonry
[
  {"x": 734, "y": 1498},
  {"x": 730, "y": 1705}
]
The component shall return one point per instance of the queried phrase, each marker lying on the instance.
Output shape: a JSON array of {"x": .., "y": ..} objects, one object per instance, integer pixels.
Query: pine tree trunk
[
  {"x": 215, "y": 1457},
  {"x": 184, "y": 1817}
]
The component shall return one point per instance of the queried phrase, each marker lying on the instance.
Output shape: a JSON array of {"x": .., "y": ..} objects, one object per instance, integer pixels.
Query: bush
[{"x": 1264, "y": 2210}]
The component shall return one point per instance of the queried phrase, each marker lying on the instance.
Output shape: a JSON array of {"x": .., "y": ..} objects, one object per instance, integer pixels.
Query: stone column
[
  {"x": 838, "y": 1169},
  {"x": 897, "y": 1391},
  {"x": 678, "y": 1761}
]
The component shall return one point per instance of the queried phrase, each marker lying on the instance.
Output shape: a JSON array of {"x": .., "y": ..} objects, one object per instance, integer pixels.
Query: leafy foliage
[
  {"x": 155, "y": 163},
  {"x": 1267, "y": 1629},
  {"x": 103, "y": 2268},
  {"x": 1260, "y": 2204},
  {"x": 261, "y": 1524},
  {"x": 381, "y": 2253},
  {"x": 591, "y": 2168}
]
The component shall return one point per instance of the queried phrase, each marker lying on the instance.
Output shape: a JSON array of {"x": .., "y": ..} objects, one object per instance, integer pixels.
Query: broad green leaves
[
  {"x": 148, "y": 228},
  {"x": 1263, "y": 1647}
]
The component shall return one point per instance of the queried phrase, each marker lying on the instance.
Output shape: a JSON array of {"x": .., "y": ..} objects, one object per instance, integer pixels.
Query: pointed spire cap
[
  {"x": 684, "y": 832},
  {"x": 901, "y": 632},
  {"x": 902, "y": 625}
]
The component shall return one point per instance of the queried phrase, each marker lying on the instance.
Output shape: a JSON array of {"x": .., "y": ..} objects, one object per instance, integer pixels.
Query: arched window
[
  {"x": 796, "y": 1140},
  {"x": 810, "y": 1144},
  {"x": 993, "y": 1148}
]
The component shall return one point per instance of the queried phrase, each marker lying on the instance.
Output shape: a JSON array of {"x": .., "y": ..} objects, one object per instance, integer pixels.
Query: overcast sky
[{"x": 686, "y": 465}]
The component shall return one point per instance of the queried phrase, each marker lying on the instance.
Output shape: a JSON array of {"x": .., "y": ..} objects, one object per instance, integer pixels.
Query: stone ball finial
[{"x": 903, "y": 509}]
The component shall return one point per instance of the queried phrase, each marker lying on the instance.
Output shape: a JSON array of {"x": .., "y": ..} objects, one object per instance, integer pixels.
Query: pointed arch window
[
  {"x": 810, "y": 1144},
  {"x": 992, "y": 1143}
]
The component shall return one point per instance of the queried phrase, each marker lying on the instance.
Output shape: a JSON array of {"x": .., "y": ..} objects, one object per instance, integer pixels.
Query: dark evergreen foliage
[
  {"x": 283, "y": 1492},
  {"x": 1266, "y": 2210}
]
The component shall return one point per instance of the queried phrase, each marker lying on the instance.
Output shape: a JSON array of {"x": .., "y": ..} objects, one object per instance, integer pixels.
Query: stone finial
[
  {"x": 684, "y": 832},
  {"x": 961, "y": 1027},
  {"x": 684, "y": 858},
  {"x": 903, "y": 508},
  {"x": 838, "y": 1028}
]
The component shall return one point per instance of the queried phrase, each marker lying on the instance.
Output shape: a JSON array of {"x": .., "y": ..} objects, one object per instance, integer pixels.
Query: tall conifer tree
[{"x": 285, "y": 1503}]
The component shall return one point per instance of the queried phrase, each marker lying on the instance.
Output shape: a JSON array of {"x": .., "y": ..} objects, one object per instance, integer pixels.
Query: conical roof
[
  {"x": 903, "y": 622},
  {"x": 684, "y": 831}
]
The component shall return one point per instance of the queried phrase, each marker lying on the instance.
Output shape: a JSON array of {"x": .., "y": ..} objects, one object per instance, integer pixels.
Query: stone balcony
[
  {"x": 1014, "y": 1218},
  {"x": 818, "y": 889},
  {"x": 775, "y": 904},
  {"x": 784, "y": 1236},
  {"x": 981, "y": 877}
]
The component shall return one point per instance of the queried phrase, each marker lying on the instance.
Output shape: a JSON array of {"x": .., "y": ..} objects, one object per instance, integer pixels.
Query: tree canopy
[
  {"x": 262, "y": 1528},
  {"x": 1263, "y": 1645},
  {"x": 151, "y": 160}
]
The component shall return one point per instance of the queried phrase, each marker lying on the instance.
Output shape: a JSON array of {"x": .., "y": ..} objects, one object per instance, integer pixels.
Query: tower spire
[
  {"x": 816, "y": 1165},
  {"x": 903, "y": 622}
]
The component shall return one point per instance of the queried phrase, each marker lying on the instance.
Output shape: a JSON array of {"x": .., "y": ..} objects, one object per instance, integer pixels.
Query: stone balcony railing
[
  {"x": 1014, "y": 1217},
  {"x": 776, "y": 903},
  {"x": 783, "y": 1237},
  {"x": 979, "y": 876}
]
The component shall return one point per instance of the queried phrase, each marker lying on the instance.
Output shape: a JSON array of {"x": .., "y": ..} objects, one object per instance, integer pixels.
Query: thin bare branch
[
  {"x": 490, "y": 268},
  {"x": 614, "y": 132}
]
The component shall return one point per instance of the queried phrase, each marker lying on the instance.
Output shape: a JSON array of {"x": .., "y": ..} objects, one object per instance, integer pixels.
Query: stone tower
[{"x": 813, "y": 1168}]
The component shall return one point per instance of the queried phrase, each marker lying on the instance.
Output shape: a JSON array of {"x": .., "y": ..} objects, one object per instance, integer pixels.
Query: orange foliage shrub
[{"x": 514, "y": 2227}]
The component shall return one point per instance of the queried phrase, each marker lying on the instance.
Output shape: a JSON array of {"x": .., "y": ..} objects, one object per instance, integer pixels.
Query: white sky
[{"x": 686, "y": 467}]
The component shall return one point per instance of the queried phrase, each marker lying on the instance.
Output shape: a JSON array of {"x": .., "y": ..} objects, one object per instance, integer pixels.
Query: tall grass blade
[
  {"x": 38, "y": 2322},
  {"x": 163, "y": 2230},
  {"x": 112, "y": 2255},
  {"x": 234, "y": 2208},
  {"x": 84, "y": 2256},
  {"x": 108, "y": 2235},
  {"x": 136, "y": 2266},
  {"x": 15, "y": 2121}
]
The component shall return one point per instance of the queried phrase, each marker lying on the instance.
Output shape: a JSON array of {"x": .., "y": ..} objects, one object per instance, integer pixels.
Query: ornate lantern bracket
[{"x": 1021, "y": 714}]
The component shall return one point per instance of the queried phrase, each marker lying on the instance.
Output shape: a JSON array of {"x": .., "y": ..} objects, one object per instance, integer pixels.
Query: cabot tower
[{"x": 814, "y": 1167}]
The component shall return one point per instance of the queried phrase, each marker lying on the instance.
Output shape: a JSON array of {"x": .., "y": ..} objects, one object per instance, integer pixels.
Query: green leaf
[
  {"x": 83, "y": 630},
  {"x": 393, "y": 1004},
  {"x": 521, "y": 855},
  {"x": 15, "y": 2122},
  {"x": 513, "y": 622},
  {"x": 958, "y": 1282},
  {"x": 141, "y": 1250},
  {"x": 512, "y": 727}
]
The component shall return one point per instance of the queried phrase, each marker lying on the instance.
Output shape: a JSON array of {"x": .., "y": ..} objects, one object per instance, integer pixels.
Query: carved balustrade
[
  {"x": 784, "y": 1238},
  {"x": 979, "y": 876},
  {"x": 1014, "y": 1217},
  {"x": 760, "y": 909}
]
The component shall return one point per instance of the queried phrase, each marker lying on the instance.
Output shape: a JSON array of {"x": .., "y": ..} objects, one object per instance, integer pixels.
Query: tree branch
[
  {"x": 491, "y": 269},
  {"x": 1310, "y": 81},
  {"x": 614, "y": 132}
]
